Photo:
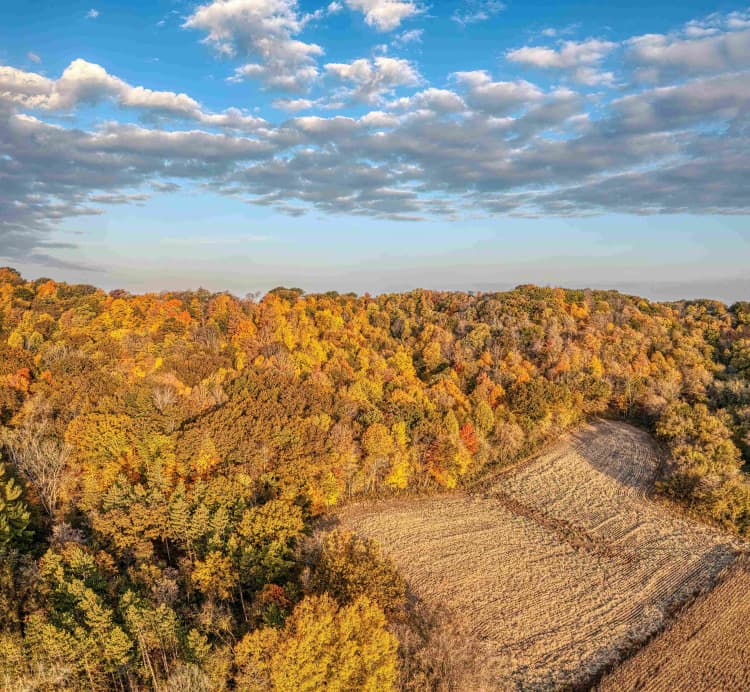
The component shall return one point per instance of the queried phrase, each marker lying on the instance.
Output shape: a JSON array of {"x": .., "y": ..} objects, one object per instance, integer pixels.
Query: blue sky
[{"x": 376, "y": 145}]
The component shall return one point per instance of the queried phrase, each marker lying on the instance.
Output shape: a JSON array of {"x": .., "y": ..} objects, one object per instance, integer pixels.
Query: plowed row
[
  {"x": 561, "y": 567},
  {"x": 707, "y": 648}
]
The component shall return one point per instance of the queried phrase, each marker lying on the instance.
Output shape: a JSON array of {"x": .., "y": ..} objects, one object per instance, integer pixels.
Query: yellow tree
[
  {"x": 322, "y": 646},
  {"x": 378, "y": 445}
]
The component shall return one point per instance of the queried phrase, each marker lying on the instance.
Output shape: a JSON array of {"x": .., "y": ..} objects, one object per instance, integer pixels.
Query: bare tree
[
  {"x": 40, "y": 456},
  {"x": 163, "y": 396},
  {"x": 218, "y": 393}
]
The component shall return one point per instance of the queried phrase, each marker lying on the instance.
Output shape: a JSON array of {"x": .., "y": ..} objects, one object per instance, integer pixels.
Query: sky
[{"x": 378, "y": 145}]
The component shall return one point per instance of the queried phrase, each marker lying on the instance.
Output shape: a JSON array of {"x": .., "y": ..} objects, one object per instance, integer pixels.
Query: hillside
[
  {"x": 167, "y": 459},
  {"x": 561, "y": 567}
]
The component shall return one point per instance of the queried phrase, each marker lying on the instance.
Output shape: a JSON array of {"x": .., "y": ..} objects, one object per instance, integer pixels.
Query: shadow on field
[{"x": 622, "y": 452}]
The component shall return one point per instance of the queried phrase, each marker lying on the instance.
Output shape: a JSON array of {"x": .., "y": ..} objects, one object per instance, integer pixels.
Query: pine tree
[{"x": 14, "y": 514}]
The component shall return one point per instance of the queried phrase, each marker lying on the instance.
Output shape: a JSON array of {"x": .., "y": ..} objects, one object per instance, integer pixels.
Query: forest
[{"x": 168, "y": 462}]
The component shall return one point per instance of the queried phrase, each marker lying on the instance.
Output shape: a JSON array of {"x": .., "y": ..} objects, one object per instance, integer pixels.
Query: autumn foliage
[{"x": 166, "y": 457}]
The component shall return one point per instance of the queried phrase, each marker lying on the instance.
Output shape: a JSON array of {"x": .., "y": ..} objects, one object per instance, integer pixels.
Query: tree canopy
[{"x": 166, "y": 458}]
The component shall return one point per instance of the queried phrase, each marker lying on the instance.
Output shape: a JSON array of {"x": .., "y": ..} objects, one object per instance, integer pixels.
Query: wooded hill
[{"x": 166, "y": 455}]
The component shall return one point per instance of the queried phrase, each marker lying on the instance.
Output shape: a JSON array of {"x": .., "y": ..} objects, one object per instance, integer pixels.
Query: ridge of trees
[{"x": 165, "y": 457}]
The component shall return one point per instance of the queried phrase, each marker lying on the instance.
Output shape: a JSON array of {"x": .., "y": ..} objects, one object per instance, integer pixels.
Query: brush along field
[
  {"x": 561, "y": 566},
  {"x": 707, "y": 648}
]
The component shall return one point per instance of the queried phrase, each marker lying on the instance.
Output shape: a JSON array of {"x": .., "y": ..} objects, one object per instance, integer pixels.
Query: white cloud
[
  {"x": 275, "y": 76},
  {"x": 658, "y": 57},
  {"x": 293, "y": 105},
  {"x": 580, "y": 58},
  {"x": 407, "y": 37},
  {"x": 497, "y": 98},
  {"x": 591, "y": 76},
  {"x": 570, "y": 54},
  {"x": 85, "y": 83},
  {"x": 380, "y": 119},
  {"x": 472, "y": 78},
  {"x": 315, "y": 125},
  {"x": 264, "y": 30},
  {"x": 92, "y": 14},
  {"x": 23, "y": 88},
  {"x": 33, "y": 57},
  {"x": 436, "y": 100},
  {"x": 385, "y": 15},
  {"x": 166, "y": 101},
  {"x": 475, "y": 11},
  {"x": 371, "y": 79},
  {"x": 231, "y": 119}
]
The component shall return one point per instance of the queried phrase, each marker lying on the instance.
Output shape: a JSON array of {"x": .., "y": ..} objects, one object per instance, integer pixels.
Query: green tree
[
  {"x": 698, "y": 439},
  {"x": 349, "y": 567},
  {"x": 14, "y": 514},
  {"x": 265, "y": 541}
]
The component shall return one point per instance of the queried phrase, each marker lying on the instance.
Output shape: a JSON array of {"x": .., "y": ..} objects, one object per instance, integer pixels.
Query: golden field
[{"x": 558, "y": 568}]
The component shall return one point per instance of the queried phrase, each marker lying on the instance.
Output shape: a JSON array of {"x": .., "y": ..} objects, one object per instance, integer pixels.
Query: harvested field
[
  {"x": 707, "y": 647},
  {"x": 559, "y": 568}
]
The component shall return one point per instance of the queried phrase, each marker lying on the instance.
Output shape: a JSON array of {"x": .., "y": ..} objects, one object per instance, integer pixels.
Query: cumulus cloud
[
  {"x": 658, "y": 57},
  {"x": 497, "y": 98},
  {"x": 293, "y": 105},
  {"x": 380, "y": 119},
  {"x": 570, "y": 54},
  {"x": 92, "y": 14},
  {"x": 718, "y": 100},
  {"x": 85, "y": 83},
  {"x": 485, "y": 144},
  {"x": 385, "y": 15},
  {"x": 580, "y": 58},
  {"x": 371, "y": 79},
  {"x": 434, "y": 100},
  {"x": 24, "y": 88},
  {"x": 263, "y": 30}
]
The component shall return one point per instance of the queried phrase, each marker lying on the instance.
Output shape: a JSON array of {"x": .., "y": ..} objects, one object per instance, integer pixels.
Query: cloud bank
[{"x": 659, "y": 123}]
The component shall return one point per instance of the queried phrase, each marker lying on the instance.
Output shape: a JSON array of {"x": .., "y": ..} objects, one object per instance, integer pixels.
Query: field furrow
[
  {"x": 706, "y": 648},
  {"x": 562, "y": 566}
]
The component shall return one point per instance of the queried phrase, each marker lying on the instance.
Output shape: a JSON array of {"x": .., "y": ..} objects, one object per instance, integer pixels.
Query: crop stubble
[
  {"x": 707, "y": 647},
  {"x": 560, "y": 567}
]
